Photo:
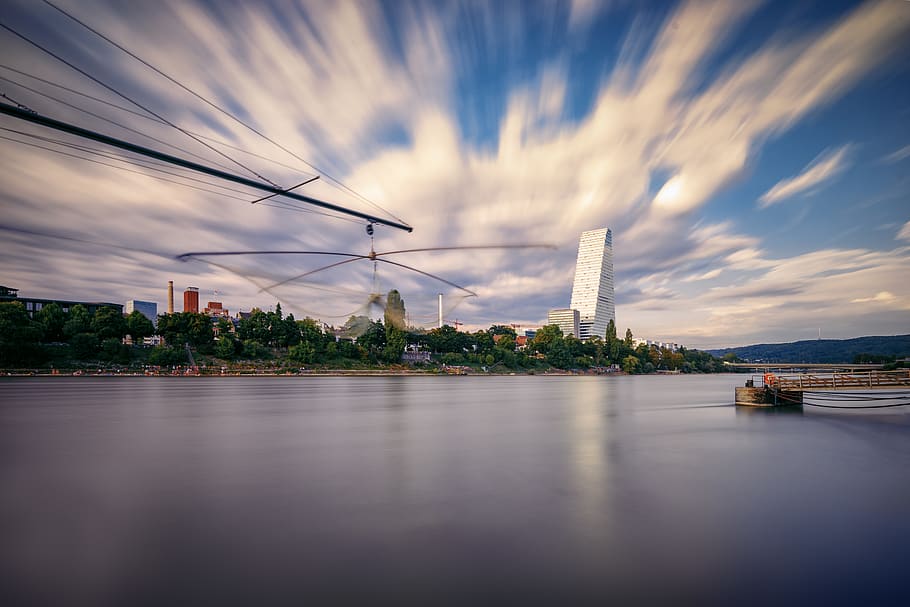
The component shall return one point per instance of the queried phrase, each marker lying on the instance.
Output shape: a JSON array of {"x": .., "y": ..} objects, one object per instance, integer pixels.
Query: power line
[
  {"x": 138, "y": 114},
  {"x": 108, "y": 120},
  {"x": 219, "y": 108},
  {"x": 138, "y": 149},
  {"x": 150, "y": 164},
  {"x": 62, "y": 153},
  {"x": 284, "y": 205},
  {"x": 136, "y": 103}
]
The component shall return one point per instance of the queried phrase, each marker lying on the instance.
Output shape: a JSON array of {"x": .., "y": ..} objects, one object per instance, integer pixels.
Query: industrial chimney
[{"x": 170, "y": 297}]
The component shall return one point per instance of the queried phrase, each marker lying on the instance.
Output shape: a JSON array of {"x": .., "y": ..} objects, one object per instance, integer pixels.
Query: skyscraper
[{"x": 592, "y": 293}]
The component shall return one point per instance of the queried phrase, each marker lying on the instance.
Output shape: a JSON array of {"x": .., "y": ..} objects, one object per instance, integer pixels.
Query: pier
[{"x": 772, "y": 390}]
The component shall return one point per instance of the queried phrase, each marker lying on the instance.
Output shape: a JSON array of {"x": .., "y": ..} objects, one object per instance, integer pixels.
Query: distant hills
[{"x": 822, "y": 350}]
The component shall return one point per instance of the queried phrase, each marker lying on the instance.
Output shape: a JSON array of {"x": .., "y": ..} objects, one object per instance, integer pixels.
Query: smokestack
[
  {"x": 440, "y": 310},
  {"x": 170, "y": 297}
]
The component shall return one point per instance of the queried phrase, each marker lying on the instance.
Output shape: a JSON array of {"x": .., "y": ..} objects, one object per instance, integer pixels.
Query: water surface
[{"x": 444, "y": 490}]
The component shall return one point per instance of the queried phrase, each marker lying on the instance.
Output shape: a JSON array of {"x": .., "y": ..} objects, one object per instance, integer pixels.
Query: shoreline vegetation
[
  {"x": 55, "y": 342},
  {"x": 107, "y": 343}
]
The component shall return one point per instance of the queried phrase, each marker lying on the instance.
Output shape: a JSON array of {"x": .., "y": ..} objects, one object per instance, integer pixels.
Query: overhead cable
[
  {"x": 134, "y": 113},
  {"x": 219, "y": 108},
  {"x": 134, "y": 102},
  {"x": 59, "y": 125}
]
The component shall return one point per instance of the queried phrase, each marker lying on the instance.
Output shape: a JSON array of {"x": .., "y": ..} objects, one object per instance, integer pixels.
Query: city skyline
[{"x": 752, "y": 158}]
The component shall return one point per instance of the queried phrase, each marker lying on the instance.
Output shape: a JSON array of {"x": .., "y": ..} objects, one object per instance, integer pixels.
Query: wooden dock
[
  {"x": 870, "y": 380},
  {"x": 787, "y": 390}
]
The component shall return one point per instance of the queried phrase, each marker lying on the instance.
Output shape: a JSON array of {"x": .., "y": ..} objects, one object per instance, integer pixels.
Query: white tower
[{"x": 592, "y": 293}]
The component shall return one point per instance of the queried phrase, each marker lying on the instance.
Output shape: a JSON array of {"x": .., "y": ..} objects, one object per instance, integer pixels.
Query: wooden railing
[{"x": 839, "y": 381}]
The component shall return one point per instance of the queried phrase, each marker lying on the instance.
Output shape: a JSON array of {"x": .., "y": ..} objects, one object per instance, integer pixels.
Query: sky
[{"x": 752, "y": 158}]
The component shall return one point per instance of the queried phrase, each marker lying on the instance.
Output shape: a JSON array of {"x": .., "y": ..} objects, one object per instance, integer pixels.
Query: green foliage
[
  {"x": 546, "y": 338},
  {"x": 631, "y": 364},
  {"x": 506, "y": 342},
  {"x": 225, "y": 347},
  {"x": 395, "y": 342},
  {"x": 79, "y": 321},
  {"x": 253, "y": 350},
  {"x": 166, "y": 356},
  {"x": 19, "y": 336},
  {"x": 610, "y": 334},
  {"x": 52, "y": 319},
  {"x": 138, "y": 326},
  {"x": 85, "y": 346},
  {"x": 113, "y": 350},
  {"x": 373, "y": 340},
  {"x": 502, "y": 330},
  {"x": 447, "y": 339},
  {"x": 108, "y": 323},
  {"x": 303, "y": 352},
  {"x": 186, "y": 327}
]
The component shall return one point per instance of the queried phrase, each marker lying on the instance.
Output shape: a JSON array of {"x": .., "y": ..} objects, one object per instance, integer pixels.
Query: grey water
[{"x": 444, "y": 490}]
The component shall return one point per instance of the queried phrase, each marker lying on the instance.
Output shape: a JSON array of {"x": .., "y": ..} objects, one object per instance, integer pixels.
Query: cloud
[
  {"x": 898, "y": 155},
  {"x": 374, "y": 98},
  {"x": 581, "y": 12},
  {"x": 904, "y": 233},
  {"x": 825, "y": 167},
  {"x": 881, "y": 296}
]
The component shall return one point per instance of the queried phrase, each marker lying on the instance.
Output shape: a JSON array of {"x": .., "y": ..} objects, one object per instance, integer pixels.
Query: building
[
  {"x": 191, "y": 300},
  {"x": 216, "y": 308},
  {"x": 592, "y": 292},
  {"x": 149, "y": 309},
  {"x": 566, "y": 318},
  {"x": 33, "y": 304},
  {"x": 667, "y": 345}
]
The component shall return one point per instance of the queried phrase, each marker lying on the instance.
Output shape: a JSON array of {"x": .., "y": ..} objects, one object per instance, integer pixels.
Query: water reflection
[{"x": 443, "y": 490}]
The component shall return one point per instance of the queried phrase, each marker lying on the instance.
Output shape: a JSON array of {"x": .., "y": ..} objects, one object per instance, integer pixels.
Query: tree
[
  {"x": 138, "y": 326},
  {"x": 610, "y": 334},
  {"x": 506, "y": 342},
  {"x": 85, "y": 346},
  {"x": 253, "y": 350},
  {"x": 374, "y": 339},
  {"x": 113, "y": 350},
  {"x": 166, "y": 355},
  {"x": 559, "y": 354},
  {"x": 79, "y": 321},
  {"x": 108, "y": 323},
  {"x": 395, "y": 314},
  {"x": 187, "y": 327},
  {"x": 630, "y": 364},
  {"x": 52, "y": 319},
  {"x": 19, "y": 335},
  {"x": 545, "y": 338},
  {"x": 304, "y": 352},
  {"x": 224, "y": 347},
  {"x": 502, "y": 330},
  {"x": 447, "y": 339},
  {"x": 629, "y": 341},
  {"x": 395, "y": 342}
]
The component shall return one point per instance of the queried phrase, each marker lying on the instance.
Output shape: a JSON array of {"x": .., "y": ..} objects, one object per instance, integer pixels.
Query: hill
[{"x": 822, "y": 350}]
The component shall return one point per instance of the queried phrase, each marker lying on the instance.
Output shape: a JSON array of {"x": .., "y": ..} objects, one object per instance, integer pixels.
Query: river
[{"x": 444, "y": 490}]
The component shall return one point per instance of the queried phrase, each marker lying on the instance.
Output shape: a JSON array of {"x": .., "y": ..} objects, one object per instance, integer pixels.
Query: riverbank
[{"x": 45, "y": 373}]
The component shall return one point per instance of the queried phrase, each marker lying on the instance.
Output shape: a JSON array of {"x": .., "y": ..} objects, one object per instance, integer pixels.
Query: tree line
[{"x": 54, "y": 336}]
